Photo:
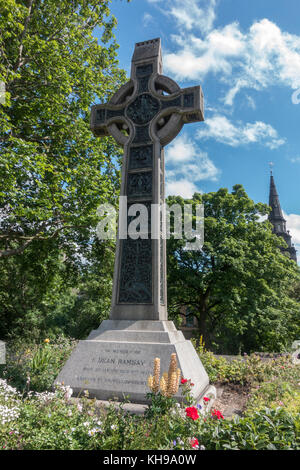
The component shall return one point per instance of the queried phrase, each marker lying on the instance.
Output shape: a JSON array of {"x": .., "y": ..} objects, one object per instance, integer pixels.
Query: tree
[
  {"x": 53, "y": 172},
  {"x": 238, "y": 285}
]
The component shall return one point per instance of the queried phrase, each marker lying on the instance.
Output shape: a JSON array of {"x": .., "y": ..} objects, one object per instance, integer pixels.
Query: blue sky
[{"x": 246, "y": 56}]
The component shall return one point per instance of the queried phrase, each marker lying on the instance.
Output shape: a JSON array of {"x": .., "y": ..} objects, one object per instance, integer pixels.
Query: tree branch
[
  {"x": 24, "y": 32},
  {"x": 29, "y": 240}
]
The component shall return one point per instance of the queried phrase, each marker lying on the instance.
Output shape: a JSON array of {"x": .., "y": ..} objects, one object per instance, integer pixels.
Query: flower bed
[{"x": 45, "y": 419}]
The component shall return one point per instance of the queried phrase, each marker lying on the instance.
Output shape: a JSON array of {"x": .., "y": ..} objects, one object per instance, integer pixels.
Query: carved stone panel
[
  {"x": 188, "y": 100},
  {"x": 136, "y": 272},
  {"x": 143, "y": 109},
  {"x": 141, "y": 135},
  {"x": 143, "y": 70},
  {"x": 141, "y": 157},
  {"x": 130, "y": 218},
  {"x": 100, "y": 116},
  {"x": 139, "y": 184},
  {"x": 144, "y": 84}
]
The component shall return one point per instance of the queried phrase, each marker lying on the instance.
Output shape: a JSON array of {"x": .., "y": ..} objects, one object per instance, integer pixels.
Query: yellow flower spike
[
  {"x": 47, "y": 340},
  {"x": 165, "y": 376},
  {"x": 150, "y": 382},
  {"x": 163, "y": 386},
  {"x": 178, "y": 372},
  {"x": 156, "y": 374},
  {"x": 173, "y": 385},
  {"x": 172, "y": 368}
]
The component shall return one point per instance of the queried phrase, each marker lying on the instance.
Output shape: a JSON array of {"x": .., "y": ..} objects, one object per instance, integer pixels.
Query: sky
[{"x": 246, "y": 56}]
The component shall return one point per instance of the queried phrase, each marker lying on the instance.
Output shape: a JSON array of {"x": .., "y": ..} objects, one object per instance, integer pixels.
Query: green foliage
[
  {"x": 248, "y": 370},
  {"x": 267, "y": 429},
  {"x": 160, "y": 405},
  {"x": 239, "y": 287},
  {"x": 35, "y": 367},
  {"x": 54, "y": 173}
]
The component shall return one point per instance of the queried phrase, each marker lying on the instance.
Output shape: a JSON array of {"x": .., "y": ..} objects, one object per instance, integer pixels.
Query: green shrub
[{"x": 33, "y": 366}]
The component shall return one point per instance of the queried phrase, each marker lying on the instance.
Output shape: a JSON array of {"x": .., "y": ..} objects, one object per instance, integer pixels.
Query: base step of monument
[
  {"x": 116, "y": 360},
  {"x": 139, "y": 409}
]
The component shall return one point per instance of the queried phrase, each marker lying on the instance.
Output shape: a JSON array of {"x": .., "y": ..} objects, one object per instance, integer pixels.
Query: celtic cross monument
[{"x": 115, "y": 360}]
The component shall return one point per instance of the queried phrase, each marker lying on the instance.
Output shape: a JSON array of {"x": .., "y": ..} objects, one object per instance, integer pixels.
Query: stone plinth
[{"x": 117, "y": 358}]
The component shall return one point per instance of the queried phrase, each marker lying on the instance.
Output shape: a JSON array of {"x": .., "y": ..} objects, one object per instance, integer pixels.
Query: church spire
[
  {"x": 278, "y": 221},
  {"x": 276, "y": 216}
]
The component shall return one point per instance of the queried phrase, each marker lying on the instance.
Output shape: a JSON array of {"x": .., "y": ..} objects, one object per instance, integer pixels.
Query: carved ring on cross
[{"x": 167, "y": 122}]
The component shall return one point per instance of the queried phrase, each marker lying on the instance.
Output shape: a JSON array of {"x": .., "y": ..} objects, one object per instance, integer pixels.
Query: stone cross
[
  {"x": 143, "y": 116},
  {"x": 116, "y": 359}
]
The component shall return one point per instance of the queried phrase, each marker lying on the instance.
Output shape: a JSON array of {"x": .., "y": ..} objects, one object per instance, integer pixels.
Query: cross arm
[
  {"x": 188, "y": 102},
  {"x": 107, "y": 119},
  {"x": 180, "y": 106}
]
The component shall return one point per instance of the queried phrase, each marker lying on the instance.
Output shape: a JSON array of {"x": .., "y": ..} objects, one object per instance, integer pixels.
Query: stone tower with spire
[{"x": 278, "y": 221}]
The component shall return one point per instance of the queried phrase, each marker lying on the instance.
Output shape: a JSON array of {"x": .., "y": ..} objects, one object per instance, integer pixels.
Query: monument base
[{"x": 114, "y": 362}]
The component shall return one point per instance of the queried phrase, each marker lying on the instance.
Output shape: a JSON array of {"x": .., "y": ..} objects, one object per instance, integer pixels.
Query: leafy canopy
[
  {"x": 239, "y": 285},
  {"x": 53, "y": 172}
]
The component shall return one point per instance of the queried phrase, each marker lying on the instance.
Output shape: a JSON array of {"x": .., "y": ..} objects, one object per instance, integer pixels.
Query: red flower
[
  {"x": 183, "y": 381},
  {"x": 191, "y": 384},
  {"x": 206, "y": 399},
  {"x": 192, "y": 412},
  {"x": 217, "y": 414},
  {"x": 194, "y": 442}
]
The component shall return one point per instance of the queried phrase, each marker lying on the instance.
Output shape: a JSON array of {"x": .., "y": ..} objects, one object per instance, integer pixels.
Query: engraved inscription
[
  {"x": 115, "y": 366},
  {"x": 192, "y": 117},
  {"x": 162, "y": 280}
]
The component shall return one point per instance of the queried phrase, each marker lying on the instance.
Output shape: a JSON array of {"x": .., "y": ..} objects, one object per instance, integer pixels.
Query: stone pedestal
[{"x": 117, "y": 358}]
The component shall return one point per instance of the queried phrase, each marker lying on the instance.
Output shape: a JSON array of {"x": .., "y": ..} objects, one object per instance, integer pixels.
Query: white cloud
[
  {"x": 190, "y": 14},
  {"x": 182, "y": 187},
  {"x": 187, "y": 165},
  {"x": 223, "y": 130},
  {"x": 182, "y": 149},
  {"x": 255, "y": 59},
  {"x": 147, "y": 18},
  {"x": 293, "y": 224},
  {"x": 250, "y": 101},
  {"x": 295, "y": 159}
]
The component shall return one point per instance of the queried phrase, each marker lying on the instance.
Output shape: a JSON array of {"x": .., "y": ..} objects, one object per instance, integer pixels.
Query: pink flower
[
  {"x": 206, "y": 399},
  {"x": 183, "y": 381}
]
